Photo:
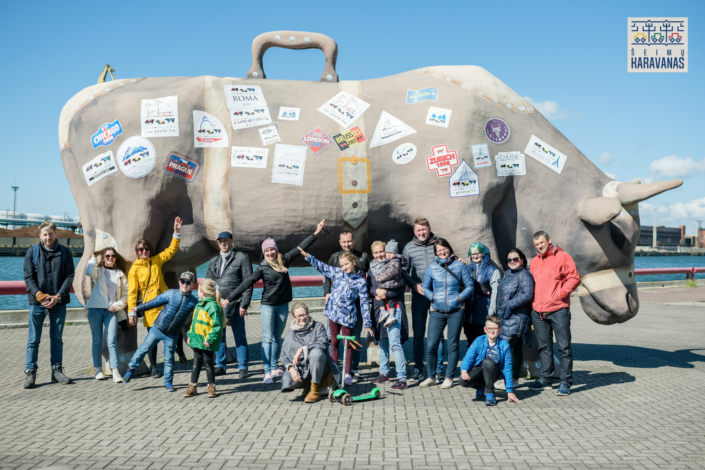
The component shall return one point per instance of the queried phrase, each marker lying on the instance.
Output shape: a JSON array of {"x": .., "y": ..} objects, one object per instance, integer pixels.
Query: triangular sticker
[
  {"x": 464, "y": 182},
  {"x": 389, "y": 129},
  {"x": 208, "y": 131}
]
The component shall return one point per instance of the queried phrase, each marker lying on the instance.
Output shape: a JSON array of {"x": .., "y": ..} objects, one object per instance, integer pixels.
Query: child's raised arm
[{"x": 323, "y": 268}]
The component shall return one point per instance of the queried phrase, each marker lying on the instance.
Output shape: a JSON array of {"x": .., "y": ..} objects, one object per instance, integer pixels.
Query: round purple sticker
[{"x": 497, "y": 130}]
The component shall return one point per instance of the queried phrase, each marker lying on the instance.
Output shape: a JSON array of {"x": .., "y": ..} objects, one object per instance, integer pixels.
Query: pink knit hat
[{"x": 269, "y": 243}]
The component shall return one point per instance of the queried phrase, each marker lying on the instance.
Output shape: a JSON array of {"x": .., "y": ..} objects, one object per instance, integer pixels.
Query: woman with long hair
[{"x": 106, "y": 306}]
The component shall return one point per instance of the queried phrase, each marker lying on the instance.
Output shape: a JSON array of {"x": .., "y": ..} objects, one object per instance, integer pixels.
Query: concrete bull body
[{"x": 589, "y": 215}]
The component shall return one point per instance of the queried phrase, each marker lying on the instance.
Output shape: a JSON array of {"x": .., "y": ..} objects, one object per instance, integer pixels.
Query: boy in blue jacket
[{"x": 487, "y": 360}]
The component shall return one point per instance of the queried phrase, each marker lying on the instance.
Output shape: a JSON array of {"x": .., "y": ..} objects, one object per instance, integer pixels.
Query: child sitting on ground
[
  {"x": 389, "y": 275},
  {"x": 204, "y": 336},
  {"x": 348, "y": 284}
]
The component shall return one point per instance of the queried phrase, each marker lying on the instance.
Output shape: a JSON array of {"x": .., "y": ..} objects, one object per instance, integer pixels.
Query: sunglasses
[
  {"x": 109, "y": 256},
  {"x": 141, "y": 249},
  {"x": 186, "y": 283},
  {"x": 513, "y": 260}
]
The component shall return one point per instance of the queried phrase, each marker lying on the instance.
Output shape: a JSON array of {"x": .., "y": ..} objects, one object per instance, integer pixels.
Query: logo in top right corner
[{"x": 657, "y": 45}]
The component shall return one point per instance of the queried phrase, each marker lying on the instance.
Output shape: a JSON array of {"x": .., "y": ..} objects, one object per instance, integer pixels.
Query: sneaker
[
  {"x": 381, "y": 379},
  {"x": 563, "y": 390},
  {"x": 540, "y": 385},
  {"x": 383, "y": 316},
  {"x": 278, "y": 372},
  {"x": 355, "y": 374},
  {"x": 489, "y": 400},
  {"x": 499, "y": 385},
  {"x": 242, "y": 374},
  {"x": 416, "y": 376},
  {"x": 479, "y": 394},
  {"x": 128, "y": 376},
  {"x": 100, "y": 375},
  {"x": 428, "y": 382},
  {"x": 440, "y": 377},
  {"x": 348, "y": 379},
  {"x": 268, "y": 378},
  {"x": 169, "y": 388},
  {"x": 57, "y": 375},
  {"x": 117, "y": 378},
  {"x": 400, "y": 385},
  {"x": 219, "y": 371},
  {"x": 390, "y": 321},
  {"x": 447, "y": 383},
  {"x": 31, "y": 378}
]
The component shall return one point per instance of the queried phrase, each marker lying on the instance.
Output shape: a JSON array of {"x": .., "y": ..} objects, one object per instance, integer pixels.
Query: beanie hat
[
  {"x": 269, "y": 243},
  {"x": 392, "y": 247}
]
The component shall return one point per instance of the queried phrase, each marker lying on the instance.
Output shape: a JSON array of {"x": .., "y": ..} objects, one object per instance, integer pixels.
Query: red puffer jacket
[{"x": 555, "y": 277}]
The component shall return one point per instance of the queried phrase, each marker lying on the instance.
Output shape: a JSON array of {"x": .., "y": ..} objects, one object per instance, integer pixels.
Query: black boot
[
  {"x": 57, "y": 375},
  {"x": 31, "y": 378}
]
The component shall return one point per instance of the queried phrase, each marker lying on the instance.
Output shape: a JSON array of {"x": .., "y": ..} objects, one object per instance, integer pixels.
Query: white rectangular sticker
[
  {"x": 244, "y": 118},
  {"x": 344, "y": 108},
  {"x": 438, "y": 116},
  {"x": 249, "y": 157},
  {"x": 510, "y": 163},
  {"x": 269, "y": 135},
  {"x": 100, "y": 167},
  {"x": 289, "y": 114},
  {"x": 160, "y": 117},
  {"x": 288, "y": 165},
  {"x": 544, "y": 153},
  {"x": 481, "y": 155},
  {"x": 244, "y": 96}
]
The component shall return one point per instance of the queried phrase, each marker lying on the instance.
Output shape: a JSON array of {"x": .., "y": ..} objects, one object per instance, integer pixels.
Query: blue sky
[{"x": 568, "y": 58}]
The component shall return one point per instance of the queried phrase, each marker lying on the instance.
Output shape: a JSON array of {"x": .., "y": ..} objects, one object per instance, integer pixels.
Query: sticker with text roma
[
  {"x": 349, "y": 138},
  {"x": 181, "y": 167}
]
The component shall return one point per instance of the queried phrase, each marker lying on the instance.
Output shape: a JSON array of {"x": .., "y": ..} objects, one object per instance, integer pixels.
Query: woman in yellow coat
[{"x": 146, "y": 281}]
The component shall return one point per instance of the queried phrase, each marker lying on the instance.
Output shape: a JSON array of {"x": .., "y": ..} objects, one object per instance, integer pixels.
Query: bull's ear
[
  {"x": 631, "y": 193},
  {"x": 598, "y": 210}
]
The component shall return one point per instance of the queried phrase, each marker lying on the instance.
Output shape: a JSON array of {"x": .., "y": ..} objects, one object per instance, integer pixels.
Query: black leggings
[
  {"x": 516, "y": 344},
  {"x": 199, "y": 357}
]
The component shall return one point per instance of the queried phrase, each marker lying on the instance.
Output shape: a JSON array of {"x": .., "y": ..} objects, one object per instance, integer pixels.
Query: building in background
[{"x": 665, "y": 236}]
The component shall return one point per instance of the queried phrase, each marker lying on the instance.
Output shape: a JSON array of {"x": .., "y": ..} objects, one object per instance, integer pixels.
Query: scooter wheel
[
  {"x": 347, "y": 400},
  {"x": 377, "y": 394},
  {"x": 331, "y": 398}
]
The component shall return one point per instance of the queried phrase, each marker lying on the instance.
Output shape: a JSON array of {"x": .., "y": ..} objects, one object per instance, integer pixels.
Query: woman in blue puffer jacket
[
  {"x": 514, "y": 296},
  {"x": 447, "y": 284}
]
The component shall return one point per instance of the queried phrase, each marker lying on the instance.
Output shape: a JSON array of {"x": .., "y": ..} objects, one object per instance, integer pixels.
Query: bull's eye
[{"x": 617, "y": 236}]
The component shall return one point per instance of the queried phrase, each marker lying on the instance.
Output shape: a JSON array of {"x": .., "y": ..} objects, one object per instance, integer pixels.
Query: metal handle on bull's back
[{"x": 294, "y": 40}]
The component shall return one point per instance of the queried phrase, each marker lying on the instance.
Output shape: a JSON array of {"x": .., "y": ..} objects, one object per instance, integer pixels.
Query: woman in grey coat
[{"x": 304, "y": 353}]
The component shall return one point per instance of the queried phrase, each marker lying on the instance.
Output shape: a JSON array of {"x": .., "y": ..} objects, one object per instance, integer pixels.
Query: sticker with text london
[
  {"x": 106, "y": 134},
  {"x": 317, "y": 140},
  {"x": 657, "y": 45},
  {"x": 181, "y": 167},
  {"x": 496, "y": 130}
]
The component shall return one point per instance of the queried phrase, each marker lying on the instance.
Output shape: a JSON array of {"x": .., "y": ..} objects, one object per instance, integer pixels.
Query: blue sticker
[
  {"x": 106, "y": 134},
  {"x": 181, "y": 167},
  {"x": 425, "y": 94}
]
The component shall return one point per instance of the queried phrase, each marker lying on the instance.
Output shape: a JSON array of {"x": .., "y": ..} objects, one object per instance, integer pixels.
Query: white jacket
[{"x": 99, "y": 295}]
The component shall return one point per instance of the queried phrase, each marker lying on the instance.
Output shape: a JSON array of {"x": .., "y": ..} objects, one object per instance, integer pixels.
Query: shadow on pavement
[{"x": 637, "y": 356}]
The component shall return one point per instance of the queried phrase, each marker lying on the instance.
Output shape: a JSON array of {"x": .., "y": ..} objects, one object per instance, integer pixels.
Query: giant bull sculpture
[{"x": 592, "y": 217}]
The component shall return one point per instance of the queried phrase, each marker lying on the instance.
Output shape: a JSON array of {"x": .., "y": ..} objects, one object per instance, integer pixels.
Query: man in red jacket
[{"x": 555, "y": 277}]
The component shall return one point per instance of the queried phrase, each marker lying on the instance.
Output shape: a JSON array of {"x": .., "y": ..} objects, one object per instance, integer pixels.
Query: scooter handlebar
[{"x": 349, "y": 338}]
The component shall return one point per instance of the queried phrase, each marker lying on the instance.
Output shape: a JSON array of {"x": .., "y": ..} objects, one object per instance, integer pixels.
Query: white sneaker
[
  {"x": 268, "y": 378},
  {"x": 117, "y": 378},
  {"x": 99, "y": 375},
  {"x": 428, "y": 382},
  {"x": 499, "y": 385},
  {"x": 447, "y": 383},
  {"x": 390, "y": 321}
]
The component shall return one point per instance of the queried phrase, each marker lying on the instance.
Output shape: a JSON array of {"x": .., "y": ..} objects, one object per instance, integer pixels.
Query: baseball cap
[
  {"x": 188, "y": 276},
  {"x": 225, "y": 235}
]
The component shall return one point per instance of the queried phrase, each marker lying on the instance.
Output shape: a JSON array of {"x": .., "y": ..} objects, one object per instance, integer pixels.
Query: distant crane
[{"x": 104, "y": 74}]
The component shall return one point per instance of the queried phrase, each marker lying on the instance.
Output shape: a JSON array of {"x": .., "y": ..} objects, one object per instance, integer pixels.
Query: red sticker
[{"x": 442, "y": 160}]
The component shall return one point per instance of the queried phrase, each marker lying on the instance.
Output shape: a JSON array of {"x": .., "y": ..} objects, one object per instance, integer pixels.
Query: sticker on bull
[
  {"x": 349, "y": 138},
  {"x": 389, "y": 129},
  {"x": 442, "y": 160},
  {"x": 106, "y": 134},
  {"x": 438, "y": 117},
  {"x": 481, "y": 155},
  {"x": 136, "y": 157},
  {"x": 289, "y": 114},
  {"x": 425, "y": 94},
  {"x": 317, "y": 140},
  {"x": 404, "y": 154},
  {"x": 288, "y": 165},
  {"x": 160, "y": 117},
  {"x": 208, "y": 131},
  {"x": 181, "y": 167},
  {"x": 244, "y": 118},
  {"x": 545, "y": 154},
  {"x": 249, "y": 157},
  {"x": 510, "y": 163},
  {"x": 464, "y": 182},
  {"x": 496, "y": 130},
  {"x": 344, "y": 108},
  {"x": 99, "y": 167},
  {"x": 269, "y": 135},
  {"x": 244, "y": 96}
]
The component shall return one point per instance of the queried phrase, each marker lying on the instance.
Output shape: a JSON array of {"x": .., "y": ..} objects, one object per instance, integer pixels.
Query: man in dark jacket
[
  {"x": 48, "y": 275},
  {"x": 347, "y": 243},
  {"x": 179, "y": 304},
  {"x": 420, "y": 253},
  {"x": 228, "y": 269}
]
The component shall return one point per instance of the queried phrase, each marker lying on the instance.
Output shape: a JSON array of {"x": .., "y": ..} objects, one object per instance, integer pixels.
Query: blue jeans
[
  {"x": 237, "y": 324},
  {"x": 153, "y": 337},
  {"x": 436, "y": 324},
  {"x": 57, "y": 318},
  {"x": 393, "y": 339},
  {"x": 273, "y": 323},
  {"x": 419, "y": 313},
  {"x": 97, "y": 319}
]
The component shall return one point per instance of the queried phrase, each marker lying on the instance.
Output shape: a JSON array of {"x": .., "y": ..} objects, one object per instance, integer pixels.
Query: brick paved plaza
[{"x": 637, "y": 402}]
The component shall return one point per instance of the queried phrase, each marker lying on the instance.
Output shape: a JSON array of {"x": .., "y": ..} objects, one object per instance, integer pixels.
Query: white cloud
[
  {"x": 606, "y": 158},
  {"x": 690, "y": 210},
  {"x": 611, "y": 175},
  {"x": 549, "y": 109},
  {"x": 672, "y": 166},
  {"x": 680, "y": 213}
]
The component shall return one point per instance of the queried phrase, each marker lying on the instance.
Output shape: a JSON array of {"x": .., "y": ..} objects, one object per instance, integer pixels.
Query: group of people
[{"x": 496, "y": 311}]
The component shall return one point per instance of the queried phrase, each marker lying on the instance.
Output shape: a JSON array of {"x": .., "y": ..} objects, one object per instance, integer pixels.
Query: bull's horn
[
  {"x": 631, "y": 193},
  {"x": 598, "y": 210}
]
